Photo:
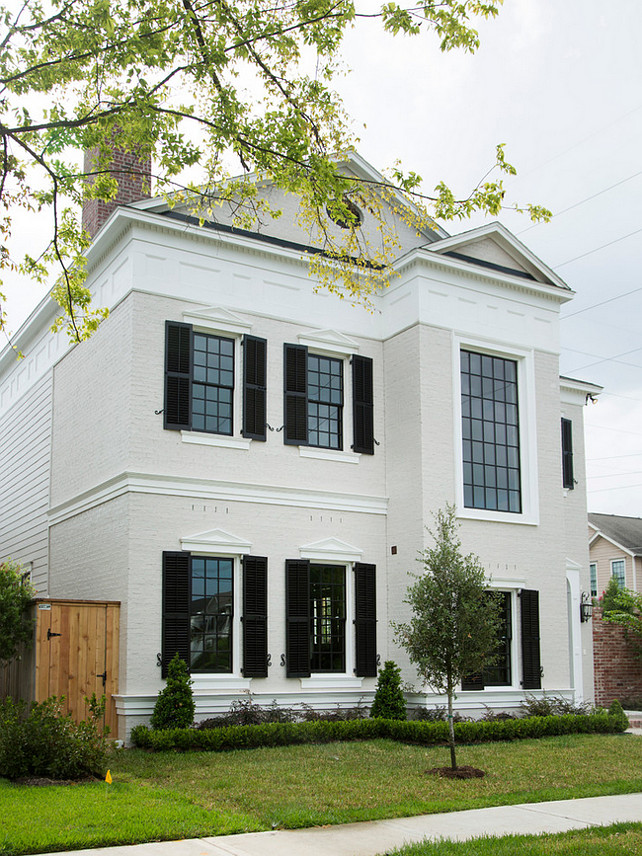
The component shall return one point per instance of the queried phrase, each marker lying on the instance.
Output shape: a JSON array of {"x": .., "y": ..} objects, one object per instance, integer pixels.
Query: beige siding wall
[{"x": 603, "y": 552}]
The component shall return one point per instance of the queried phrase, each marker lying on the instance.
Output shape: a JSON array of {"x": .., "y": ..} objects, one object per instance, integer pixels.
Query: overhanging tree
[
  {"x": 455, "y": 625},
  {"x": 225, "y": 84},
  {"x": 16, "y": 627}
]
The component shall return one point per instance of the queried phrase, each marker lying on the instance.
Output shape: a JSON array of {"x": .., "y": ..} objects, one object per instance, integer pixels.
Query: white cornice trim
[{"x": 210, "y": 489}]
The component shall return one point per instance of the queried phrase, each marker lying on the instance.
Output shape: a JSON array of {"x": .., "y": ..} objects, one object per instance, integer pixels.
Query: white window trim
[
  {"x": 591, "y": 566},
  {"x": 345, "y": 454},
  {"x": 322, "y": 454},
  {"x": 228, "y": 326},
  {"x": 527, "y": 431},
  {"x": 219, "y": 544},
  {"x": 613, "y": 561},
  {"x": 515, "y": 664},
  {"x": 333, "y": 551}
]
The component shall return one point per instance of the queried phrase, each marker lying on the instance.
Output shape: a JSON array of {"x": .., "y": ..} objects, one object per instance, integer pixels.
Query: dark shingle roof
[{"x": 625, "y": 531}]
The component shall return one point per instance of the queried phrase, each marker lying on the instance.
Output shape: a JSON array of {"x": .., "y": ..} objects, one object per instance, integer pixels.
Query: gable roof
[
  {"x": 493, "y": 246},
  {"x": 626, "y": 532}
]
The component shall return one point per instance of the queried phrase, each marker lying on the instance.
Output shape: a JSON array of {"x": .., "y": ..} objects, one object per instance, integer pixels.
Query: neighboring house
[
  {"x": 249, "y": 467},
  {"x": 615, "y": 549}
]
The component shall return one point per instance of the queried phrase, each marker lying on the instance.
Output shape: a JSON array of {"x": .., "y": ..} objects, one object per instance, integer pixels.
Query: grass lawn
[
  {"x": 174, "y": 795},
  {"x": 621, "y": 839}
]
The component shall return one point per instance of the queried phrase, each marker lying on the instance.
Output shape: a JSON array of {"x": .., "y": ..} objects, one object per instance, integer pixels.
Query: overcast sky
[{"x": 558, "y": 81}]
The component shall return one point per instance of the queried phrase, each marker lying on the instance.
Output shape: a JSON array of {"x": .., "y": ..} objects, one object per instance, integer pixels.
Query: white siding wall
[{"x": 25, "y": 432}]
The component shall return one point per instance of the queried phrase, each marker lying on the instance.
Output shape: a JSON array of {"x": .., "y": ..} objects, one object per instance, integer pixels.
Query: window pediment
[
  {"x": 329, "y": 341},
  {"x": 331, "y": 549},
  {"x": 216, "y": 542},
  {"x": 216, "y": 319}
]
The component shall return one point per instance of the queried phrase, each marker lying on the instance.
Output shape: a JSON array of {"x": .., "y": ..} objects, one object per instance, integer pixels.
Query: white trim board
[{"x": 163, "y": 485}]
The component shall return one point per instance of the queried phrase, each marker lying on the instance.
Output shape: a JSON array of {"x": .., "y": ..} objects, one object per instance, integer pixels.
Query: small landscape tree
[
  {"x": 16, "y": 627},
  {"x": 174, "y": 706},
  {"x": 455, "y": 624},
  {"x": 389, "y": 701},
  {"x": 624, "y": 607}
]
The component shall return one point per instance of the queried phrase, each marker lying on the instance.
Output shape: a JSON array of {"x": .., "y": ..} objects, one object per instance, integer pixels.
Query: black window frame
[
  {"x": 296, "y": 419},
  {"x": 335, "y": 417},
  {"x": 568, "y": 478},
  {"x": 298, "y": 656},
  {"x": 220, "y": 340},
  {"x": 179, "y": 381},
  {"x": 328, "y": 605},
  {"x": 212, "y": 618},
  {"x": 251, "y": 624},
  {"x": 491, "y": 433}
]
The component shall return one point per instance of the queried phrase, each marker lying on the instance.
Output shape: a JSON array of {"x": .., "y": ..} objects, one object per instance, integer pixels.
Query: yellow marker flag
[{"x": 108, "y": 777}]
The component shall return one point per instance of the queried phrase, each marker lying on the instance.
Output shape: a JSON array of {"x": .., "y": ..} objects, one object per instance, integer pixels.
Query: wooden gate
[{"x": 76, "y": 654}]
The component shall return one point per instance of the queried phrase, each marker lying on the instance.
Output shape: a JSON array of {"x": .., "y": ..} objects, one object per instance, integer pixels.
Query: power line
[
  {"x": 613, "y": 457},
  {"x": 621, "y": 487},
  {"x": 617, "y": 430},
  {"x": 601, "y": 303},
  {"x": 611, "y": 359},
  {"x": 597, "y": 249},
  {"x": 617, "y": 475},
  {"x": 582, "y": 201}
]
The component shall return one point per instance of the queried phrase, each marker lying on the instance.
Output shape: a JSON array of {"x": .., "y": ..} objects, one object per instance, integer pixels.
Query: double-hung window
[
  {"x": 200, "y": 380},
  {"x": 593, "y": 573},
  {"x": 314, "y": 399},
  {"x": 490, "y": 433},
  {"x": 618, "y": 571},
  {"x": 199, "y": 616}
]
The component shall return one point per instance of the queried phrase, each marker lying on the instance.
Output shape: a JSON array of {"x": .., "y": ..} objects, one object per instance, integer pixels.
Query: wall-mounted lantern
[{"x": 586, "y": 607}]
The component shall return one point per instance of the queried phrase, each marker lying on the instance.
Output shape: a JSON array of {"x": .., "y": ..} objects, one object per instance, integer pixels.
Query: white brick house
[{"x": 232, "y": 453}]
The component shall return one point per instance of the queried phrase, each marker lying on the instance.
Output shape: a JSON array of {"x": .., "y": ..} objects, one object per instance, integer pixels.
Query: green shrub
[
  {"x": 174, "y": 706},
  {"x": 16, "y": 626},
  {"x": 422, "y": 733},
  {"x": 39, "y": 740},
  {"x": 389, "y": 701},
  {"x": 552, "y": 705},
  {"x": 617, "y": 712}
]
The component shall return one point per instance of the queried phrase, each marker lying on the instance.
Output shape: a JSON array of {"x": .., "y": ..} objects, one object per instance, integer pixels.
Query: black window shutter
[
  {"x": 255, "y": 617},
  {"x": 295, "y": 395},
  {"x": 297, "y": 634},
  {"x": 531, "y": 671},
  {"x": 254, "y": 387},
  {"x": 567, "y": 454},
  {"x": 176, "y": 594},
  {"x": 178, "y": 375},
  {"x": 362, "y": 405},
  {"x": 365, "y": 620}
]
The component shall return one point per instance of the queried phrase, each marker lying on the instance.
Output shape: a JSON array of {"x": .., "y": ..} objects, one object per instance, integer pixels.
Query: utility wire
[
  {"x": 601, "y": 303},
  {"x": 597, "y": 249}
]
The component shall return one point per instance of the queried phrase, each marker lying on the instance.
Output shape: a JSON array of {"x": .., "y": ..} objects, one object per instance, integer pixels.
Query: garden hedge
[{"x": 423, "y": 733}]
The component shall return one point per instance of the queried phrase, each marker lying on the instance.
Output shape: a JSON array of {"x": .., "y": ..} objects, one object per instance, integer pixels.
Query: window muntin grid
[
  {"x": 212, "y": 383},
  {"x": 499, "y": 674},
  {"x": 618, "y": 572},
  {"x": 490, "y": 433},
  {"x": 327, "y": 618},
  {"x": 211, "y": 614},
  {"x": 593, "y": 571},
  {"x": 325, "y": 402}
]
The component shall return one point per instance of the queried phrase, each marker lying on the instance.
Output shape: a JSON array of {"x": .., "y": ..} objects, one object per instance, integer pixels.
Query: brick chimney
[{"x": 133, "y": 173}]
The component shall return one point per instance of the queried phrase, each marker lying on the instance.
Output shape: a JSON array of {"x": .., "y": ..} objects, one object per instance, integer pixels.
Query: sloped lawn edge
[{"x": 422, "y": 733}]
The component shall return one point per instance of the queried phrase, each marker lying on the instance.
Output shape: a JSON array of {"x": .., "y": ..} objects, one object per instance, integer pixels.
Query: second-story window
[
  {"x": 325, "y": 402},
  {"x": 490, "y": 433},
  {"x": 212, "y": 383}
]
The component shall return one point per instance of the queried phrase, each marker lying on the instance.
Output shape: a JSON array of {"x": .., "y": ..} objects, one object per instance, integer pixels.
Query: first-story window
[
  {"x": 593, "y": 570},
  {"x": 618, "y": 571},
  {"x": 506, "y": 672},
  {"x": 500, "y": 673},
  {"x": 318, "y": 614},
  {"x": 211, "y": 614},
  {"x": 200, "y": 620},
  {"x": 327, "y": 618},
  {"x": 490, "y": 433}
]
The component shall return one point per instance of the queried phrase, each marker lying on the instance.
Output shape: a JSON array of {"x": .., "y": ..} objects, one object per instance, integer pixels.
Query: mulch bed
[{"x": 460, "y": 773}]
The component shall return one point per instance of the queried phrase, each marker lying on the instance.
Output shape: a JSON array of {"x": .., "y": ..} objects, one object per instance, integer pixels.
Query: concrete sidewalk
[{"x": 380, "y": 836}]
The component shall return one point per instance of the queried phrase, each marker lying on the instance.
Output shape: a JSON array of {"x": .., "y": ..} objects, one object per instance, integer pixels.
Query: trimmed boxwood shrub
[
  {"x": 389, "y": 701},
  {"x": 422, "y": 733}
]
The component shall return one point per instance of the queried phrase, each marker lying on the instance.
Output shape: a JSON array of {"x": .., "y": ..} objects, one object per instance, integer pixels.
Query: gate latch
[
  {"x": 103, "y": 676},
  {"x": 50, "y": 634}
]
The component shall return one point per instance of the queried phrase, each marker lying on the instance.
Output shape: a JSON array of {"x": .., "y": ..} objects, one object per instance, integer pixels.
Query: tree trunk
[{"x": 451, "y": 727}]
